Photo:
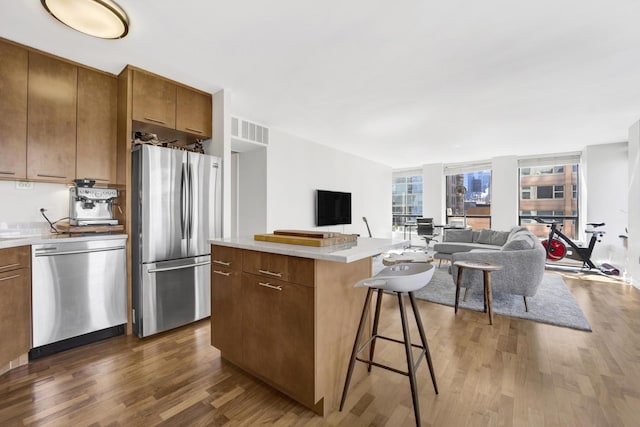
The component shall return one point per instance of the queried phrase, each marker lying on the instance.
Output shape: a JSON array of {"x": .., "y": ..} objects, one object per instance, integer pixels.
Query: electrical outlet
[{"x": 22, "y": 185}]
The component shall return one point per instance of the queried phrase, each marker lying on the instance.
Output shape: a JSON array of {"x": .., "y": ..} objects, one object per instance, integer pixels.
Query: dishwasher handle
[
  {"x": 180, "y": 267},
  {"x": 79, "y": 251}
]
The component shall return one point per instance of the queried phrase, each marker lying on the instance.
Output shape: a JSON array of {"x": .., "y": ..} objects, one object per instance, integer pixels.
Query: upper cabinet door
[
  {"x": 193, "y": 112},
  {"x": 51, "y": 135},
  {"x": 154, "y": 100},
  {"x": 13, "y": 111},
  {"x": 97, "y": 126}
]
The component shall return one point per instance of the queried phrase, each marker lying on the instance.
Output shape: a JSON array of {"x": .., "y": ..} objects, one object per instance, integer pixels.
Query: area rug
[{"x": 552, "y": 304}]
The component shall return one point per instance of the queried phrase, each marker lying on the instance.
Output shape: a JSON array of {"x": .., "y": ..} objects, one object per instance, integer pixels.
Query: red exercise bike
[{"x": 556, "y": 246}]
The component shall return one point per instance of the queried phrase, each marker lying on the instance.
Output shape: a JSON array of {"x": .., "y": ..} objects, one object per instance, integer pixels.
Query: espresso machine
[{"x": 91, "y": 206}]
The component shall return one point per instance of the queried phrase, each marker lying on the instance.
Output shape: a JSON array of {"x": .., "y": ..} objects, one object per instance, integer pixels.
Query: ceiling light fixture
[{"x": 98, "y": 18}]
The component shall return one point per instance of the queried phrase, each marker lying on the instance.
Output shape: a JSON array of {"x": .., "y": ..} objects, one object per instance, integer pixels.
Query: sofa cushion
[
  {"x": 453, "y": 247},
  {"x": 463, "y": 236},
  {"x": 520, "y": 241},
  {"x": 493, "y": 237}
]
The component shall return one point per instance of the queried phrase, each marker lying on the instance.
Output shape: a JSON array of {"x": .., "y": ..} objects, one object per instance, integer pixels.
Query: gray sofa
[{"x": 519, "y": 251}]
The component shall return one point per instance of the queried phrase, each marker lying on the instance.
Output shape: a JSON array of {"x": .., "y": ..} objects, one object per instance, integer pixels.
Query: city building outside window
[
  {"x": 406, "y": 200},
  {"x": 542, "y": 194},
  {"x": 473, "y": 208}
]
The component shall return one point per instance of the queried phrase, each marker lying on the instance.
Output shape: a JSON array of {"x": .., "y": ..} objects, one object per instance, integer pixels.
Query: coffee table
[{"x": 486, "y": 268}]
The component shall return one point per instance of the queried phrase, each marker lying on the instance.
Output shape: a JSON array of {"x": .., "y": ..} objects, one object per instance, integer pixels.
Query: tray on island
[{"x": 306, "y": 238}]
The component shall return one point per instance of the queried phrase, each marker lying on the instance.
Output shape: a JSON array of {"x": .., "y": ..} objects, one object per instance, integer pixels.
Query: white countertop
[
  {"x": 12, "y": 242},
  {"x": 347, "y": 252}
]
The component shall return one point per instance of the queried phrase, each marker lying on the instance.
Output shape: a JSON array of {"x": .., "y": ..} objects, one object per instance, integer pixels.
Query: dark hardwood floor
[{"x": 515, "y": 372}]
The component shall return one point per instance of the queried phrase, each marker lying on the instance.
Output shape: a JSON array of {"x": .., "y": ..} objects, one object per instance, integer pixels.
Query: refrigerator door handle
[
  {"x": 183, "y": 202},
  {"x": 180, "y": 267},
  {"x": 191, "y": 199}
]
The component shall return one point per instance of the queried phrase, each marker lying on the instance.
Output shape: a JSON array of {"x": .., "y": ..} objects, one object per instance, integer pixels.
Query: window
[
  {"x": 406, "y": 195},
  {"x": 468, "y": 196},
  {"x": 542, "y": 193}
]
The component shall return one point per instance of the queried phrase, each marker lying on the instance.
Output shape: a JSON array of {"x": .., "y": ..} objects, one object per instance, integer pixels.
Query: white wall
[
  {"x": 504, "y": 192},
  {"x": 23, "y": 206},
  {"x": 297, "y": 167},
  {"x": 607, "y": 197},
  {"x": 252, "y": 192},
  {"x": 433, "y": 198},
  {"x": 633, "y": 254}
]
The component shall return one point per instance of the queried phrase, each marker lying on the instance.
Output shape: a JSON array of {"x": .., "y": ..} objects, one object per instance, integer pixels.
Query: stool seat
[{"x": 405, "y": 277}]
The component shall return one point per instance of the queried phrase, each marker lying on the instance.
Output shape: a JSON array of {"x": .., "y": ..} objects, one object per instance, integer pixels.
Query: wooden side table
[{"x": 486, "y": 268}]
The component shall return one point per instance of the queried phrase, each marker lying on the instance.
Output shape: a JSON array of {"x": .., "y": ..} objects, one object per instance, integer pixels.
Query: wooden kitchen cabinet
[
  {"x": 193, "y": 112},
  {"x": 97, "y": 126},
  {"x": 15, "y": 307},
  {"x": 278, "y": 334},
  {"x": 154, "y": 100},
  {"x": 226, "y": 295},
  {"x": 13, "y": 111},
  {"x": 51, "y": 119}
]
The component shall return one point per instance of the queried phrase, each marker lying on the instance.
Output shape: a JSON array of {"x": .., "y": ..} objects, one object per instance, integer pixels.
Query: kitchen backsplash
[{"x": 20, "y": 208}]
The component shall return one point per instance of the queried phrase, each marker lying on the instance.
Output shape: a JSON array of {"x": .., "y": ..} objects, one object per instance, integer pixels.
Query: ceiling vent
[{"x": 246, "y": 135}]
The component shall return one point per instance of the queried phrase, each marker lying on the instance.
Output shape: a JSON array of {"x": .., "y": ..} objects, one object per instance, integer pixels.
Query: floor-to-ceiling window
[
  {"x": 549, "y": 189},
  {"x": 468, "y": 195},
  {"x": 406, "y": 199}
]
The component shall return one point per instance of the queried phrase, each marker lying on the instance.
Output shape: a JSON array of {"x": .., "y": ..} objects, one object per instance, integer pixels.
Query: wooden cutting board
[
  {"x": 65, "y": 227},
  {"x": 306, "y": 241},
  {"x": 307, "y": 233}
]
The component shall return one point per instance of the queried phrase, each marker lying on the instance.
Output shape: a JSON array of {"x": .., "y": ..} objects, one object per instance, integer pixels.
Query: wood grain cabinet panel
[
  {"x": 278, "y": 334},
  {"x": 154, "y": 100},
  {"x": 51, "y": 122},
  {"x": 193, "y": 112},
  {"x": 97, "y": 126},
  {"x": 15, "y": 304},
  {"x": 226, "y": 297},
  {"x": 266, "y": 264},
  {"x": 14, "y": 65}
]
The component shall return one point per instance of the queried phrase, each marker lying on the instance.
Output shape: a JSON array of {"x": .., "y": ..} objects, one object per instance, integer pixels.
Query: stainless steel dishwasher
[{"x": 79, "y": 293}]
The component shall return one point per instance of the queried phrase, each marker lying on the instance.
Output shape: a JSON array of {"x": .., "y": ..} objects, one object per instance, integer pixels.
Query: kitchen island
[{"x": 288, "y": 314}]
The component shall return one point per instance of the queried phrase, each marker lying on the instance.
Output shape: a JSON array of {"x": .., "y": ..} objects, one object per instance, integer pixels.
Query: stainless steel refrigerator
[{"x": 175, "y": 211}]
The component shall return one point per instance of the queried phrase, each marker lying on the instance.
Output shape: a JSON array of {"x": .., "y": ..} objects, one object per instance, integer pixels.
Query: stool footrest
[{"x": 389, "y": 368}]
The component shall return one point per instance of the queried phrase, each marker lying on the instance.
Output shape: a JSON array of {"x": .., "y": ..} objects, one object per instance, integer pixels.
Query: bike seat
[
  {"x": 547, "y": 221},
  {"x": 596, "y": 224}
]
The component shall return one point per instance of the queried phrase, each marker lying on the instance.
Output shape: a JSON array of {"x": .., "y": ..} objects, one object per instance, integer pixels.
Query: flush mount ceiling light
[{"x": 98, "y": 18}]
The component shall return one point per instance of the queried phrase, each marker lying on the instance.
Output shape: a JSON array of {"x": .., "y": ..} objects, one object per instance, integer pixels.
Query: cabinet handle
[
  {"x": 270, "y": 286},
  {"x": 51, "y": 176},
  {"x": 9, "y": 266},
  {"x": 195, "y": 130},
  {"x": 270, "y": 273},
  {"x": 98, "y": 179},
  {"x": 17, "y": 275},
  {"x": 221, "y": 273},
  {"x": 215, "y": 261},
  {"x": 151, "y": 119},
  {"x": 7, "y": 173}
]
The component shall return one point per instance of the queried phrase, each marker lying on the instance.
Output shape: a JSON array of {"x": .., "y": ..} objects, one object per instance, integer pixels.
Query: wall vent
[{"x": 249, "y": 131}]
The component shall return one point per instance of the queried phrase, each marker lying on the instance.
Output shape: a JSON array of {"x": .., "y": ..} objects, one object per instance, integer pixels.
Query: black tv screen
[{"x": 333, "y": 207}]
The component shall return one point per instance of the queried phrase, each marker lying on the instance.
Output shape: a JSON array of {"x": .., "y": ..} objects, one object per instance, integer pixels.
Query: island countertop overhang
[{"x": 364, "y": 247}]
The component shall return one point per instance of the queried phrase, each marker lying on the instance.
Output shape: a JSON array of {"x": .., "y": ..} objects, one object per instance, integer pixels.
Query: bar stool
[{"x": 400, "y": 278}]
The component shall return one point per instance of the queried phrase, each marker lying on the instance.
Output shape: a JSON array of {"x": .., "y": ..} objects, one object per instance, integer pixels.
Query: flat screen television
[{"x": 333, "y": 207}]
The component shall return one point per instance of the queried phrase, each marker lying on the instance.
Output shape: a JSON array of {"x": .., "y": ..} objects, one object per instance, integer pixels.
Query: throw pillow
[
  {"x": 493, "y": 237},
  {"x": 485, "y": 236},
  {"x": 516, "y": 229},
  {"x": 520, "y": 242},
  {"x": 460, "y": 236}
]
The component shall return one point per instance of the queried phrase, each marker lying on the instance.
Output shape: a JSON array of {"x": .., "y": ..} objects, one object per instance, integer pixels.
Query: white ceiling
[{"x": 400, "y": 82}]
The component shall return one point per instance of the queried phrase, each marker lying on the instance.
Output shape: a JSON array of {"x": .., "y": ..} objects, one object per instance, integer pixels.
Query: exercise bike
[{"x": 556, "y": 246}]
